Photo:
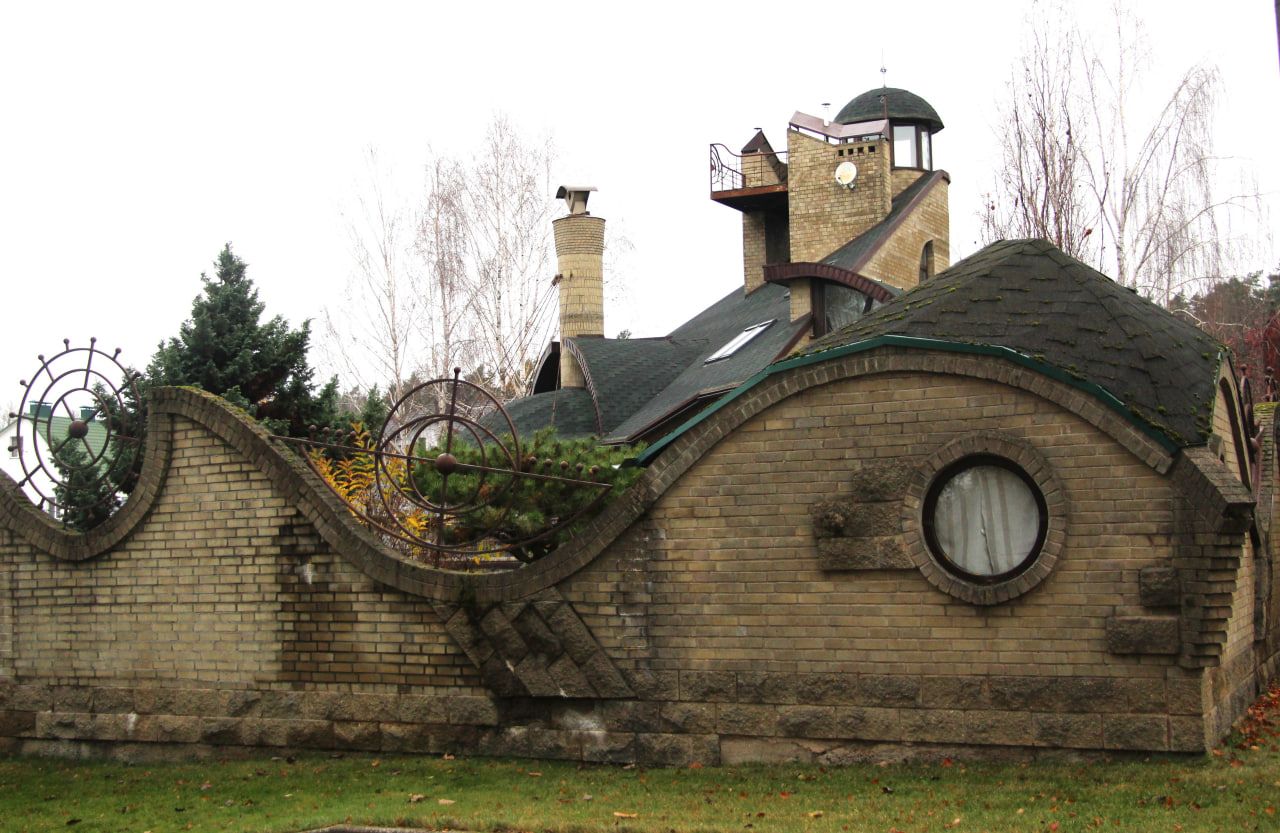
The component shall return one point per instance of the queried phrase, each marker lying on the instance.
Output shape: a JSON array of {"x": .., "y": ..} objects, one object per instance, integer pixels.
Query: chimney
[{"x": 580, "y": 259}]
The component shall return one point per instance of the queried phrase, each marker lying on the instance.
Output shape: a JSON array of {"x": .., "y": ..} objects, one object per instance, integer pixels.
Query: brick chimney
[{"x": 580, "y": 258}]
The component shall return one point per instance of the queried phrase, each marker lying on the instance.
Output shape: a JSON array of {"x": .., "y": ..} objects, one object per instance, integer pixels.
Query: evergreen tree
[
  {"x": 225, "y": 349},
  {"x": 88, "y": 494}
]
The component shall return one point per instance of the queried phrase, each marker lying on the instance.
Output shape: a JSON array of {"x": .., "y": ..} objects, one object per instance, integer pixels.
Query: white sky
[{"x": 136, "y": 139}]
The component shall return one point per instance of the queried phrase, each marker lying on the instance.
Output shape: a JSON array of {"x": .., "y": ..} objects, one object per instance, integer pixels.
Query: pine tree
[
  {"x": 225, "y": 349},
  {"x": 87, "y": 493}
]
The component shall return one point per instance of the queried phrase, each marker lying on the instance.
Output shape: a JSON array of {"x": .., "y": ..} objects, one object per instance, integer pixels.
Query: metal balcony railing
[{"x": 734, "y": 171}]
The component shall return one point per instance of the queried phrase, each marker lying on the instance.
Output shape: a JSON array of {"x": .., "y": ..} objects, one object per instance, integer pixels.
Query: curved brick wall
[{"x": 713, "y": 613}]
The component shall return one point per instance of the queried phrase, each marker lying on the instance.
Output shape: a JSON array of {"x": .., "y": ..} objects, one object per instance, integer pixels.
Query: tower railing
[{"x": 734, "y": 171}]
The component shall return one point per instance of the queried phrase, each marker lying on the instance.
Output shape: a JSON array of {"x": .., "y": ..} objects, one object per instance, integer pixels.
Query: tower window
[{"x": 912, "y": 147}]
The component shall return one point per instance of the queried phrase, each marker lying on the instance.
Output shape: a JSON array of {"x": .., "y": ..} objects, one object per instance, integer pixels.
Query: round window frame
[
  {"x": 975, "y": 449},
  {"x": 939, "y": 482}
]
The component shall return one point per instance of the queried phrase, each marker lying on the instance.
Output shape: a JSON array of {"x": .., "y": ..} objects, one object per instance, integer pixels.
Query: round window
[{"x": 985, "y": 519}]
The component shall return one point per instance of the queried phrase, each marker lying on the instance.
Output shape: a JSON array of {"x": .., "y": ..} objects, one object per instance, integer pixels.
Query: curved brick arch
[{"x": 42, "y": 531}]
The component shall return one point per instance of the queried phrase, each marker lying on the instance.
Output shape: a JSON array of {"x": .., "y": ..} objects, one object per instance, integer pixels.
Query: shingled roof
[
  {"x": 706, "y": 333},
  {"x": 1028, "y": 296}
]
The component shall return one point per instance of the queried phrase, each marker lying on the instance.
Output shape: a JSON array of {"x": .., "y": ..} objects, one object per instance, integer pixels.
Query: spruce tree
[
  {"x": 226, "y": 349},
  {"x": 88, "y": 494}
]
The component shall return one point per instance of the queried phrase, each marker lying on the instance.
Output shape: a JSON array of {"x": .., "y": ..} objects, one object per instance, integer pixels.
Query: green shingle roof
[
  {"x": 706, "y": 333},
  {"x": 1028, "y": 296},
  {"x": 904, "y": 105},
  {"x": 569, "y": 411}
]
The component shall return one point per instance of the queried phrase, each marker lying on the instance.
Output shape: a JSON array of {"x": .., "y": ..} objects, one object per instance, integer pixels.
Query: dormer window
[
  {"x": 836, "y": 305},
  {"x": 739, "y": 341},
  {"x": 912, "y": 147}
]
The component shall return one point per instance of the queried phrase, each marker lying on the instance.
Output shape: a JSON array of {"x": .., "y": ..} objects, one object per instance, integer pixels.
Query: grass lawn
[{"x": 1235, "y": 789}]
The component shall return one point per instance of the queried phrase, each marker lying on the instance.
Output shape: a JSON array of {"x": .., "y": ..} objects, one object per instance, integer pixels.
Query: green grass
[
  {"x": 1237, "y": 788},
  {"x": 1235, "y": 792}
]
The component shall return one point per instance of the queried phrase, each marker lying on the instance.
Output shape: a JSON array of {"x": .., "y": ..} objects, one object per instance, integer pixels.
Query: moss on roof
[{"x": 1028, "y": 296}]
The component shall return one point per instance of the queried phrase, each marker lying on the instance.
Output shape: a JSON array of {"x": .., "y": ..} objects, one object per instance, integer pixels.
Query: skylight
[{"x": 736, "y": 343}]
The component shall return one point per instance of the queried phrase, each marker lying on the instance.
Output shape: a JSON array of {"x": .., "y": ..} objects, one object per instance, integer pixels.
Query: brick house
[{"x": 889, "y": 508}]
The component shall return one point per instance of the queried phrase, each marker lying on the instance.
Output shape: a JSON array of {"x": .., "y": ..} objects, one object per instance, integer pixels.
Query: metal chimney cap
[{"x": 575, "y": 196}]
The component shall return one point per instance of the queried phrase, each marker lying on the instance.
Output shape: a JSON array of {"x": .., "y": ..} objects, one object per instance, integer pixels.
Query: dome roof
[{"x": 903, "y": 105}]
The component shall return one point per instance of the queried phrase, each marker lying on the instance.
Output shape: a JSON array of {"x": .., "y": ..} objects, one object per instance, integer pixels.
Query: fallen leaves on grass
[{"x": 618, "y": 815}]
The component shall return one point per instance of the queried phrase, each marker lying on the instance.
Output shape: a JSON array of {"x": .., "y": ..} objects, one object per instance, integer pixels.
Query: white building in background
[{"x": 28, "y": 441}]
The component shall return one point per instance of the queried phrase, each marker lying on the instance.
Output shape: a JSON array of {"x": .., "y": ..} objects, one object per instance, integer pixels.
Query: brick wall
[
  {"x": 714, "y": 613},
  {"x": 825, "y": 215},
  {"x": 897, "y": 263}
]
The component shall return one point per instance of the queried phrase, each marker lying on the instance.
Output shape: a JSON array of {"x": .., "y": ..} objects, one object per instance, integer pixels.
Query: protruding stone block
[
  {"x": 1143, "y": 635},
  {"x": 1159, "y": 587}
]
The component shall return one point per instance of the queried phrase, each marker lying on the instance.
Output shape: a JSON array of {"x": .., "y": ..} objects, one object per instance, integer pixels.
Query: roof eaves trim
[
  {"x": 911, "y": 342},
  {"x": 784, "y": 272}
]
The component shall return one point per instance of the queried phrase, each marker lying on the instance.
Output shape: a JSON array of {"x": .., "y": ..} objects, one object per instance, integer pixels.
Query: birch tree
[{"x": 1088, "y": 162}]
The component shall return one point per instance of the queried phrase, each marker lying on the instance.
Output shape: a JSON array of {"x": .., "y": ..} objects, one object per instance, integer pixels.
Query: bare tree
[
  {"x": 457, "y": 275},
  {"x": 373, "y": 338},
  {"x": 511, "y": 299},
  {"x": 1083, "y": 165}
]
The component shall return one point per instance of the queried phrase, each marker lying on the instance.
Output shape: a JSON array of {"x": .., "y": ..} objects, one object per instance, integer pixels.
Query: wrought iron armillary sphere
[{"x": 79, "y": 430}]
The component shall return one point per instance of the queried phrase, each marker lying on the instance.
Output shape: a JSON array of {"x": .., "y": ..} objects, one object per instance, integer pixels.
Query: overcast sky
[{"x": 138, "y": 138}]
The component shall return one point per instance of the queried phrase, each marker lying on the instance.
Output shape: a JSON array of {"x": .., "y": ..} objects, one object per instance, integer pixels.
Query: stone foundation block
[
  {"x": 168, "y": 728},
  {"x": 688, "y": 718},
  {"x": 113, "y": 700},
  {"x": 888, "y": 690},
  {"x": 29, "y": 698},
  {"x": 405, "y": 737},
  {"x": 363, "y": 737},
  {"x": 1139, "y": 732},
  {"x": 420, "y": 708},
  {"x": 954, "y": 692},
  {"x": 472, "y": 711},
  {"x": 15, "y": 723},
  {"x": 609, "y": 747},
  {"x": 886, "y": 482},
  {"x": 827, "y": 689},
  {"x": 1186, "y": 734},
  {"x": 747, "y": 719},
  {"x": 867, "y": 723},
  {"x": 1184, "y": 695},
  {"x": 708, "y": 686},
  {"x": 1071, "y": 731},
  {"x": 758, "y": 687},
  {"x": 735, "y": 751},
  {"x": 677, "y": 750},
  {"x": 630, "y": 716}
]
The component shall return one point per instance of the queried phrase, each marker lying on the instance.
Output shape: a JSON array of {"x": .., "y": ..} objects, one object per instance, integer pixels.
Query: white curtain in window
[{"x": 986, "y": 520}]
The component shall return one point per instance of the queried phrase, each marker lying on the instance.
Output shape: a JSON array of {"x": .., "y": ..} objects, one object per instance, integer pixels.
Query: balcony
[{"x": 753, "y": 180}]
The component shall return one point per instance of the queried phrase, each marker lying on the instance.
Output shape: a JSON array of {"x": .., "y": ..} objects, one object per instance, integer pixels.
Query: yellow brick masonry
[
  {"x": 897, "y": 263},
  {"x": 580, "y": 256},
  {"x": 825, "y": 215},
  {"x": 209, "y": 592},
  {"x": 737, "y": 586}
]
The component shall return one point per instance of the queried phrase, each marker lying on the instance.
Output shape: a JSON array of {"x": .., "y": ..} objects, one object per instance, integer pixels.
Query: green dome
[{"x": 904, "y": 105}]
